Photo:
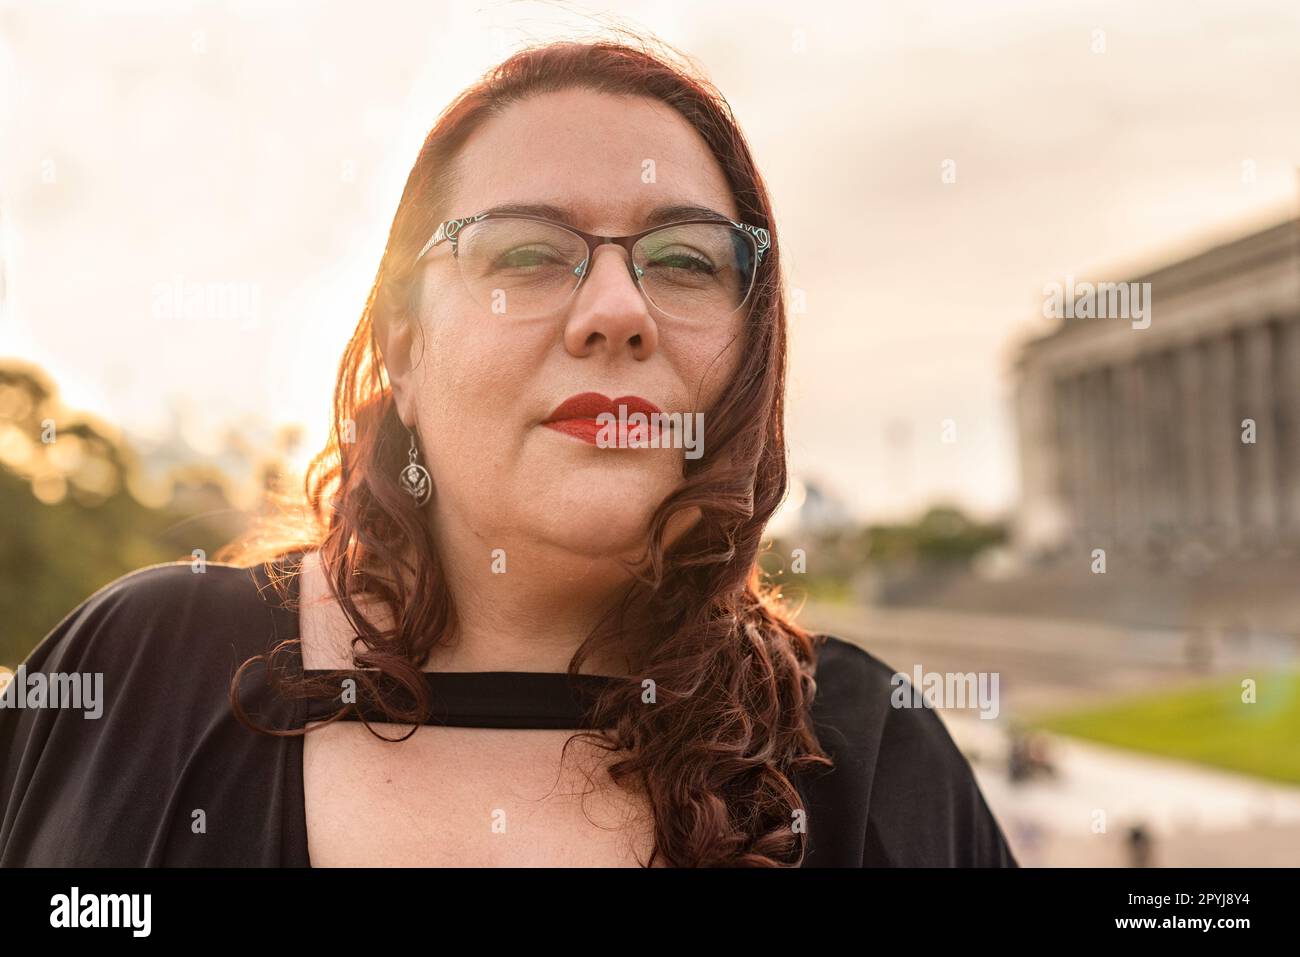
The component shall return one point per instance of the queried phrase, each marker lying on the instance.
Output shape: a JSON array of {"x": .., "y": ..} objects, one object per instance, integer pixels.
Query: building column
[
  {"x": 1133, "y": 443},
  {"x": 1287, "y": 383},
  {"x": 1259, "y": 460},
  {"x": 1191, "y": 402},
  {"x": 1077, "y": 421},
  {"x": 1158, "y": 418},
  {"x": 1106, "y": 449},
  {"x": 1223, "y": 439},
  {"x": 1041, "y": 521},
  {"x": 1094, "y": 440}
]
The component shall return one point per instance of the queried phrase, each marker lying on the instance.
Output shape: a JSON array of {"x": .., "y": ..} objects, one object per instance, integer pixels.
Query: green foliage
[
  {"x": 85, "y": 528},
  {"x": 53, "y": 557},
  {"x": 943, "y": 534},
  {"x": 839, "y": 560}
]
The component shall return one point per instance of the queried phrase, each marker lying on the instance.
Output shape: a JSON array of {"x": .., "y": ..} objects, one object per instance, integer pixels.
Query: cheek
[
  {"x": 465, "y": 391},
  {"x": 458, "y": 358},
  {"x": 707, "y": 363}
]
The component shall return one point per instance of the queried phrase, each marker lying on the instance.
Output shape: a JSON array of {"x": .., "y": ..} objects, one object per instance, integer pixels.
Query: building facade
[{"x": 1185, "y": 431}]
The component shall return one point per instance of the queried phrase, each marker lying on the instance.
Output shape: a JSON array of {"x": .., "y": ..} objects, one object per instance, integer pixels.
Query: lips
[{"x": 576, "y": 415}]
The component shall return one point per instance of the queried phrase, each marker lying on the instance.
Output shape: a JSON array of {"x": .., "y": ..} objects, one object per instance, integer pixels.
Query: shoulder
[
  {"x": 923, "y": 805},
  {"x": 859, "y": 696},
  {"x": 165, "y": 641},
  {"x": 844, "y": 666},
  {"x": 164, "y": 644},
  {"x": 852, "y": 697},
  {"x": 142, "y": 718},
  {"x": 183, "y": 612}
]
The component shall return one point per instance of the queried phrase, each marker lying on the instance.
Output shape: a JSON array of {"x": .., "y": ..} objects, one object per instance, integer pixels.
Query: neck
[{"x": 524, "y": 606}]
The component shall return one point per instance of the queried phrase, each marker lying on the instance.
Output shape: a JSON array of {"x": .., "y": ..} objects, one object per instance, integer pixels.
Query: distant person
[{"x": 1138, "y": 843}]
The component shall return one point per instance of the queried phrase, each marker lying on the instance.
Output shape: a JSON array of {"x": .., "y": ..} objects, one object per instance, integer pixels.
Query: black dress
[{"x": 126, "y": 788}]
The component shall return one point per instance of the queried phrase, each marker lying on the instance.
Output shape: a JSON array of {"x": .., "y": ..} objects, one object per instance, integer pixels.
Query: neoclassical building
[{"x": 1133, "y": 437}]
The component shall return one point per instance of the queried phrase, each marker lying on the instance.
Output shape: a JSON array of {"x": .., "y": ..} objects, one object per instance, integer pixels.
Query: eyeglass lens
[{"x": 524, "y": 268}]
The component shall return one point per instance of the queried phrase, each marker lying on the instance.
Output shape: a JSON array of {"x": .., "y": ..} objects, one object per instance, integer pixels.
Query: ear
[{"x": 397, "y": 335}]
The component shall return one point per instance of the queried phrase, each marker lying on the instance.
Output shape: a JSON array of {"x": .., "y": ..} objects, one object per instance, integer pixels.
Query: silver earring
[{"x": 415, "y": 479}]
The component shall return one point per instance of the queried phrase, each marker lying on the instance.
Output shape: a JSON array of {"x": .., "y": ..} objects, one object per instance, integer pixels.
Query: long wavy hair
[{"x": 731, "y": 723}]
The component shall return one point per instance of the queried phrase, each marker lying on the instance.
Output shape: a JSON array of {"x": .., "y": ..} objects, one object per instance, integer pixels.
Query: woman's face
[{"x": 483, "y": 384}]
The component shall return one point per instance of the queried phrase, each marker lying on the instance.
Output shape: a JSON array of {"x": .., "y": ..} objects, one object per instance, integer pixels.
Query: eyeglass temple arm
[
  {"x": 761, "y": 236},
  {"x": 438, "y": 237},
  {"x": 447, "y": 230}
]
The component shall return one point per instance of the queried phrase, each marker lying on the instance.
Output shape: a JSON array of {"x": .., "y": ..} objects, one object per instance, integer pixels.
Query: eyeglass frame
[{"x": 448, "y": 230}]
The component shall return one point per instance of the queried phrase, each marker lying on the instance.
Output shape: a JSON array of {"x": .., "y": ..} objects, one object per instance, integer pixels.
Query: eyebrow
[{"x": 656, "y": 217}]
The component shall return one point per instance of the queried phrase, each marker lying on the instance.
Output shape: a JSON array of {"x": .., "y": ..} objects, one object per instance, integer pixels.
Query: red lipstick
[{"x": 576, "y": 415}]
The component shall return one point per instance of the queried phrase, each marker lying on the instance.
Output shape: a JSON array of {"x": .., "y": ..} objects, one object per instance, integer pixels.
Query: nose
[{"x": 608, "y": 312}]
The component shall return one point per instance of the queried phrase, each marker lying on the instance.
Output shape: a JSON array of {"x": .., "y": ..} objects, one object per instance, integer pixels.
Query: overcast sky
[{"x": 151, "y": 147}]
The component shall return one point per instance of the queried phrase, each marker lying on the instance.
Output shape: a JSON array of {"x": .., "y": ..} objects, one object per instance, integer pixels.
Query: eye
[
  {"x": 525, "y": 256},
  {"x": 686, "y": 259}
]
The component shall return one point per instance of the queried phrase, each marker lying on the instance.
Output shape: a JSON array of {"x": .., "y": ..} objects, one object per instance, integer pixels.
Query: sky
[{"x": 932, "y": 165}]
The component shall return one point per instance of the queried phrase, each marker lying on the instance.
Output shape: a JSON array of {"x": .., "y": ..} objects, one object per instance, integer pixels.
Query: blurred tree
[
  {"x": 71, "y": 524},
  {"x": 943, "y": 540}
]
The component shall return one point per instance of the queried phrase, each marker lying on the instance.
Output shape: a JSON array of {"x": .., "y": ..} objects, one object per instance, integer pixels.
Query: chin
[{"x": 600, "y": 518}]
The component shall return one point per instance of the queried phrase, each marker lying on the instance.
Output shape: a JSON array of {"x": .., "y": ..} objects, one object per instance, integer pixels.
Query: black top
[{"x": 122, "y": 789}]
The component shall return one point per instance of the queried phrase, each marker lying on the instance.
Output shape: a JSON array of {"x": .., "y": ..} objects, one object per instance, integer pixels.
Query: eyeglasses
[{"x": 526, "y": 266}]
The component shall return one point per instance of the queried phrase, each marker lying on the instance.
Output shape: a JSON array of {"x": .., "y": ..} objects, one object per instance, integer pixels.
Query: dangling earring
[{"x": 415, "y": 479}]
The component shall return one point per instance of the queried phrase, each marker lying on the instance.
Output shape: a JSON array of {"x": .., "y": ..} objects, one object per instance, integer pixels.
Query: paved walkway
[{"x": 1195, "y": 815}]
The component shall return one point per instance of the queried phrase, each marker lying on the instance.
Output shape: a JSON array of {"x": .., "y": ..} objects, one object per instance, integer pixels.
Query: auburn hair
[{"x": 731, "y": 723}]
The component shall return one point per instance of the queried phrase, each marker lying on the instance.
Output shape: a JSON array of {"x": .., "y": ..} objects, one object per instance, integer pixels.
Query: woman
[{"x": 564, "y": 605}]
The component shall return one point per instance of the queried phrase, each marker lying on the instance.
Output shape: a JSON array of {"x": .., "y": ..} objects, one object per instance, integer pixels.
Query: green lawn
[{"x": 1209, "y": 724}]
